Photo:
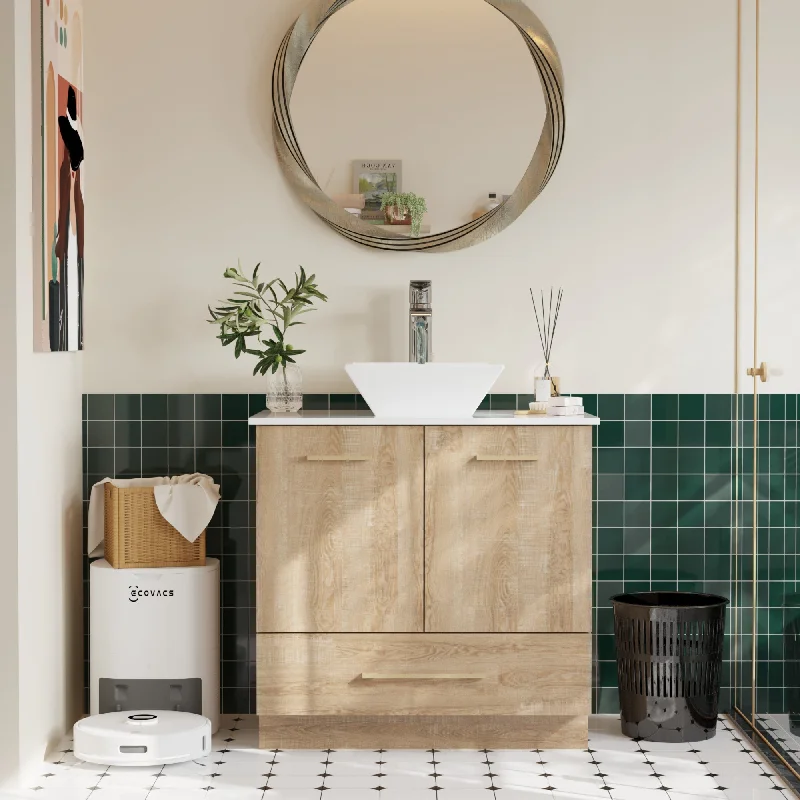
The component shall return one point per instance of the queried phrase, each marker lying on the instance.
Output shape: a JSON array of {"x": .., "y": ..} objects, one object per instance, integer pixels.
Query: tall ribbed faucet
[{"x": 420, "y": 320}]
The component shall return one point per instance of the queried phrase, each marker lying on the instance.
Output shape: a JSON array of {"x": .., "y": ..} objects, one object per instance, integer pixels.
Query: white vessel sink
[{"x": 447, "y": 391}]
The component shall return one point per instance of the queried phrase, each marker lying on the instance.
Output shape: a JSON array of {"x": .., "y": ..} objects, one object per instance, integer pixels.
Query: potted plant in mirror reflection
[
  {"x": 404, "y": 209},
  {"x": 256, "y": 319},
  {"x": 547, "y": 385}
]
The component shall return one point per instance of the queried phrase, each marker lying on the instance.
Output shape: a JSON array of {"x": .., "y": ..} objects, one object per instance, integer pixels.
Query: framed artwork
[
  {"x": 374, "y": 178},
  {"x": 59, "y": 279}
]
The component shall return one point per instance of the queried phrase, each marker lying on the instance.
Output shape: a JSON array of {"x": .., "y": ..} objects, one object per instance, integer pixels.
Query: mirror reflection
[{"x": 430, "y": 111}]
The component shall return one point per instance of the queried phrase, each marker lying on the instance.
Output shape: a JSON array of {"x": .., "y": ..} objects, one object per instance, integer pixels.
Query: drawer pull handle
[
  {"x": 423, "y": 676},
  {"x": 337, "y": 458},
  {"x": 506, "y": 458}
]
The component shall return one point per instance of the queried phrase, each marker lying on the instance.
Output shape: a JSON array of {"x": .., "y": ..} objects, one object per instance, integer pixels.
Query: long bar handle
[
  {"x": 424, "y": 676},
  {"x": 506, "y": 458},
  {"x": 337, "y": 458}
]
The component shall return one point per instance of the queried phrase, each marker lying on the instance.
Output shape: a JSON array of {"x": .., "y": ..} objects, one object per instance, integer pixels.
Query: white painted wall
[
  {"x": 637, "y": 225},
  {"x": 779, "y": 198},
  {"x": 40, "y": 402},
  {"x": 49, "y": 473},
  {"x": 9, "y": 652}
]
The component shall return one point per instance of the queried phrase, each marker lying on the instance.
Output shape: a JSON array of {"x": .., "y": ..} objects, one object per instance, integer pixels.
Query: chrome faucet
[{"x": 420, "y": 319}]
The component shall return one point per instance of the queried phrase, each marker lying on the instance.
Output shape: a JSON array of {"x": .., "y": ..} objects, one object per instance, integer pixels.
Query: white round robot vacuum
[{"x": 143, "y": 739}]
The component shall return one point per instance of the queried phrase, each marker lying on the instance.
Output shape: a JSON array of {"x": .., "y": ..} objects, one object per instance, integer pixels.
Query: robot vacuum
[{"x": 142, "y": 739}]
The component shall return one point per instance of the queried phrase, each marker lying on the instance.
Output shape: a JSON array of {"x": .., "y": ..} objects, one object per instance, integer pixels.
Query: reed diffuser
[{"x": 547, "y": 330}]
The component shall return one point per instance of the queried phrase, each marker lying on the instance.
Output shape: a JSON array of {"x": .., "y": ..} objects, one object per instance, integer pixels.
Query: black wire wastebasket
[
  {"x": 791, "y": 650},
  {"x": 669, "y": 663}
]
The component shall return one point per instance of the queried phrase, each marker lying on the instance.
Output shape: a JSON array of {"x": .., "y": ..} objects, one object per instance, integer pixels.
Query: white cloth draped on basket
[{"x": 187, "y": 502}]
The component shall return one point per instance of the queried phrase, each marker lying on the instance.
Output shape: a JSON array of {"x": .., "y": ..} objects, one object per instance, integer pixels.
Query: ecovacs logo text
[{"x": 136, "y": 593}]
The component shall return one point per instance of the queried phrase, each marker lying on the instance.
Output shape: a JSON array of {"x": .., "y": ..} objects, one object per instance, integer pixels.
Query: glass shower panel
[
  {"x": 776, "y": 588},
  {"x": 742, "y": 561}
]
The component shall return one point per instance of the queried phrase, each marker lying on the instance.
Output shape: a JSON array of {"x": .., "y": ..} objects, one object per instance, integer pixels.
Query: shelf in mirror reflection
[{"x": 405, "y": 230}]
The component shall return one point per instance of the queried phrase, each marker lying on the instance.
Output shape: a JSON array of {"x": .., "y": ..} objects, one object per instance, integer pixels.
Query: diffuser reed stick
[{"x": 547, "y": 325}]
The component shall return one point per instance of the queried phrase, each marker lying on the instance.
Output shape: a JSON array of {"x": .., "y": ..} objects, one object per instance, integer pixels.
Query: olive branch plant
[{"x": 257, "y": 314}]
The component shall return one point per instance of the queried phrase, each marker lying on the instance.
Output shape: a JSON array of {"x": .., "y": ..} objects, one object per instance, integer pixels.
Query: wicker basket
[{"x": 137, "y": 536}]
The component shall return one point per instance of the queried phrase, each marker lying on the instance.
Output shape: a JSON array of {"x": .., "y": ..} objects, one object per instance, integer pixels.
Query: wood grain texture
[
  {"x": 340, "y": 543},
  {"x": 541, "y": 674},
  {"x": 396, "y": 733},
  {"x": 508, "y": 543}
]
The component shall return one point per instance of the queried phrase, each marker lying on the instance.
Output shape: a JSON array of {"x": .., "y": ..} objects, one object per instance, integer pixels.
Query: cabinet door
[
  {"x": 508, "y": 529},
  {"x": 340, "y": 529}
]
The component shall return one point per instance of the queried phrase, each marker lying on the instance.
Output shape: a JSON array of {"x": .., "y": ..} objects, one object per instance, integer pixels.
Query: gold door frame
[{"x": 757, "y": 375}]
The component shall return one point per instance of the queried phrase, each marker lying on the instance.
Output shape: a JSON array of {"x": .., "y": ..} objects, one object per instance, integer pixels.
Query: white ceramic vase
[{"x": 543, "y": 390}]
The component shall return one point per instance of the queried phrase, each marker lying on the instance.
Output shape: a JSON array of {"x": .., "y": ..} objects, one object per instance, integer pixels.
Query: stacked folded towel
[{"x": 565, "y": 407}]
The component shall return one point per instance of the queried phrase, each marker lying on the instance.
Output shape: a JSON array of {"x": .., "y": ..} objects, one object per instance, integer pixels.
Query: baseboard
[{"x": 421, "y": 732}]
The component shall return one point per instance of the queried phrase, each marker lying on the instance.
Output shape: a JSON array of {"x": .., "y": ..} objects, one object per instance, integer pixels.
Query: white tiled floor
[
  {"x": 780, "y": 727},
  {"x": 613, "y": 767}
]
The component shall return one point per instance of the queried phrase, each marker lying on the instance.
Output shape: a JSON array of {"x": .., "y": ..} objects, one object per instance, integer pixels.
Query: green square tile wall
[
  {"x": 663, "y": 510},
  {"x": 773, "y": 475}
]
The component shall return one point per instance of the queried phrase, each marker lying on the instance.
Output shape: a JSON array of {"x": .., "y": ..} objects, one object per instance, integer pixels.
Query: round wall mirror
[{"x": 423, "y": 125}]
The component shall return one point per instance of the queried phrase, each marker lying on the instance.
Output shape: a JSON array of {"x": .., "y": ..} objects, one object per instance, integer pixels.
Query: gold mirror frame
[{"x": 290, "y": 57}]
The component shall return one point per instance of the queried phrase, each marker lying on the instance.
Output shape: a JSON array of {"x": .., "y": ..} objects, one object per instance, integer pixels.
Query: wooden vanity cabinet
[{"x": 424, "y": 586}]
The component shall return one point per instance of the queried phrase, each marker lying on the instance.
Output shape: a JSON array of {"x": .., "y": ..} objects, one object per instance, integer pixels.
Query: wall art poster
[
  {"x": 375, "y": 178},
  {"x": 59, "y": 279}
]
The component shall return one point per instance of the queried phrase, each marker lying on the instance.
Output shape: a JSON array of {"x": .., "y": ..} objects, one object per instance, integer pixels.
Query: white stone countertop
[{"x": 367, "y": 418}]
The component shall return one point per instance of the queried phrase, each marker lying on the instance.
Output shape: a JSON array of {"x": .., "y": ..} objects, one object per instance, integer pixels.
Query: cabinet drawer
[{"x": 423, "y": 674}]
